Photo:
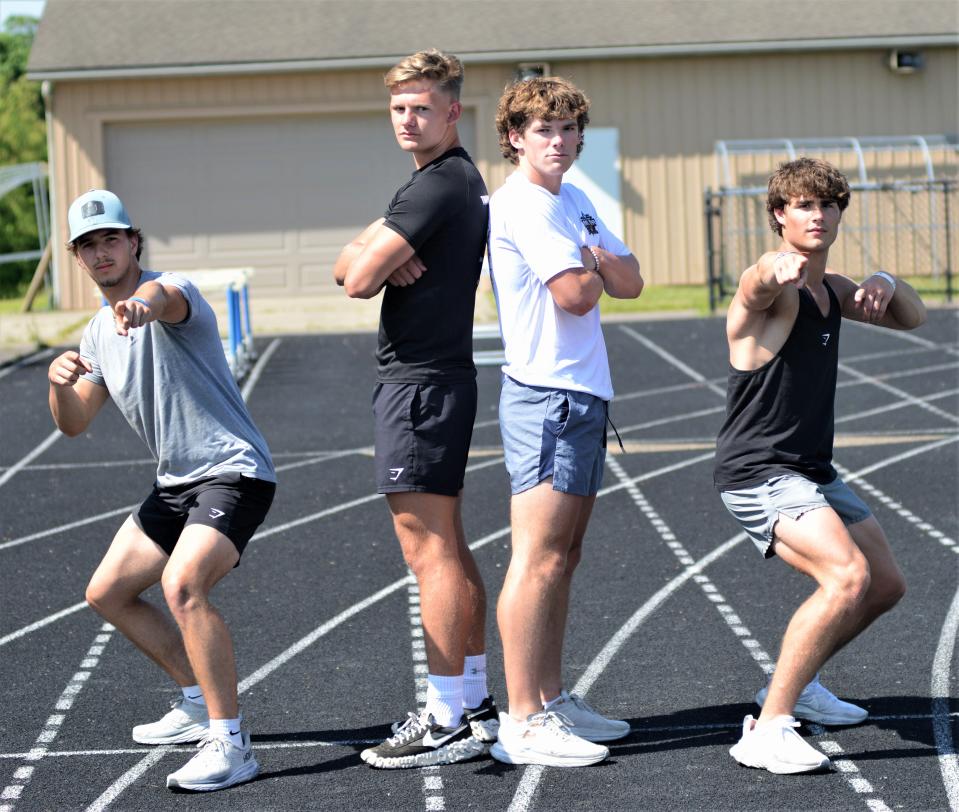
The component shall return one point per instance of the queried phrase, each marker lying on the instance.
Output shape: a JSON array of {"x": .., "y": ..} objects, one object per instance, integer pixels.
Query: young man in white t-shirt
[{"x": 551, "y": 259}]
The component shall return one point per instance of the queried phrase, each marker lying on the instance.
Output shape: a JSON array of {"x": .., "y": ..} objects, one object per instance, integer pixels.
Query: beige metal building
[{"x": 255, "y": 132}]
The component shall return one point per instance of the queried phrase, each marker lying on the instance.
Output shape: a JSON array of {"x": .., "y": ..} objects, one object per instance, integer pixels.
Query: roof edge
[{"x": 478, "y": 58}]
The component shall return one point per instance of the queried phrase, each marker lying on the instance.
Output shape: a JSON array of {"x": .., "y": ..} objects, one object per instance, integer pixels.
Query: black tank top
[{"x": 779, "y": 418}]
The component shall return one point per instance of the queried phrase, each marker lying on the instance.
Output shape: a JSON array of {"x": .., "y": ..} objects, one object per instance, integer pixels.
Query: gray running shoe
[{"x": 817, "y": 704}]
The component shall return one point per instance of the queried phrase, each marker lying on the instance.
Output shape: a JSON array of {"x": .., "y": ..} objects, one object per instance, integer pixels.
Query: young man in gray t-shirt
[{"x": 156, "y": 351}]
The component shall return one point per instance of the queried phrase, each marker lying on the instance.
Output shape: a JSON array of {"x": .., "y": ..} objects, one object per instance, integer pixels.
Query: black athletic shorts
[
  {"x": 422, "y": 434},
  {"x": 233, "y": 504}
]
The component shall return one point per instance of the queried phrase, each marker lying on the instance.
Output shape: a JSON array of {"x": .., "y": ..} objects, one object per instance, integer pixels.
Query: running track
[{"x": 675, "y": 619}]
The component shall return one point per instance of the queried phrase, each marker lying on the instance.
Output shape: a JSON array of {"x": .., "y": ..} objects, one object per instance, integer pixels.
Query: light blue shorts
[
  {"x": 556, "y": 433},
  {"x": 757, "y": 507}
]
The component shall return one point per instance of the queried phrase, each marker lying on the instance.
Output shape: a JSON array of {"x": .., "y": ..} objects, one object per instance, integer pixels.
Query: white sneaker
[
  {"x": 586, "y": 722},
  {"x": 544, "y": 738},
  {"x": 817, "y": 704},
  {"x": 218, "y": 764},
  {"x": 777, "y": 747},
  {"x": 186, "y": 722}
]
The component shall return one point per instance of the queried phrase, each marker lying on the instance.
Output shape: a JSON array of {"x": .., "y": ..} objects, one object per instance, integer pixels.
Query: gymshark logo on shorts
[
  {"x": 216, "y": 514},
  {"x": 825, "y": 338},
  {"x": 396, "y": 473}
]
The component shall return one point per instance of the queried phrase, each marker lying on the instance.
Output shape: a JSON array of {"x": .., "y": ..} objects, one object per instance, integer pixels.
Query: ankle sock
[
  {"x": 192, "y": 693},
  {"x": 474, "y": 681},
  {"x": 444, "y": 699},
  {"x": 227, "y": 729}
]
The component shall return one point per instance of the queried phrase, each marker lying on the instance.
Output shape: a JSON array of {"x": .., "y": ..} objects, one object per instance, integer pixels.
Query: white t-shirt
[{"x": 534, "y": 236}]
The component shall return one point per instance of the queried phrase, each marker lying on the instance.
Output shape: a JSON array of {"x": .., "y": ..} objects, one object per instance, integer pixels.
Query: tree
[{"x": 22, "y": 140}]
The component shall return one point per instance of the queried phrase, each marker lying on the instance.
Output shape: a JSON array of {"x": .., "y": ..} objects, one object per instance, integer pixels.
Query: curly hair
[
  {"x": 546, "y": 98},
  {"x": 804, "y": 176},
  {"x": 444, "y": 69},
  {"x": 130, "y": 232}
]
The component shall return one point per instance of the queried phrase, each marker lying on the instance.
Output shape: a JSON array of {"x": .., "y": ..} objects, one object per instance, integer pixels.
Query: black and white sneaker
[
  {"x": 420, "y": 742},
  {"x": 484, "y": 720}
]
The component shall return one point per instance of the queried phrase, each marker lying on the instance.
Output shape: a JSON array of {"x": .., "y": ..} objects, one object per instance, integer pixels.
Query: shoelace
[
  {"x": 582, "y": 704},
  {"x": 210, "y": 744},
  {"x": 554, "y": 720},
  {"x": 411, "y": 729}
]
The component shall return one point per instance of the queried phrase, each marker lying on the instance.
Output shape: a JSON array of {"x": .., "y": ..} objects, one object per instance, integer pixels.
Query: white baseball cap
[{"x": 95, "y": 209}]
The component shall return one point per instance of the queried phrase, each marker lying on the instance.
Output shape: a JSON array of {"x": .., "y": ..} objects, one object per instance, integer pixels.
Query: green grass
[
  {"x": 661, "y": 299},
  {"x": 13, "y": 304}
]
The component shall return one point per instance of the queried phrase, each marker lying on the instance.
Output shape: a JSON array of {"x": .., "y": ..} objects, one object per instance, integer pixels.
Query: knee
[
  {"x": 850, "y": 584},
  {"x": 573, "y": 557},
  {"x": 105, "y": 598},
  {"x": 550, "y": 567},
  {"x": 181, "y": 593}
]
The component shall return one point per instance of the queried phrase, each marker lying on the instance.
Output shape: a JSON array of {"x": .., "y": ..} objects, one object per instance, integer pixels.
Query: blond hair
[{"x": 443, "y": 69}]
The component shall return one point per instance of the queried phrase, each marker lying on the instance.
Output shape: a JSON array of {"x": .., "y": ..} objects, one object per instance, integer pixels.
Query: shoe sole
[
  {"x": 598, "y": 738},
  {"x": 450, "y": 754},
  {"x": 184, "y": 737},
  {"x": 500, "y": 753},
  {"x": 778, "y": 767},
  {"x": 247, "y": 772}
]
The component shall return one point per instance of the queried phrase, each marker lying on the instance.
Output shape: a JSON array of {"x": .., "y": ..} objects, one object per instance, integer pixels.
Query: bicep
[
  {"x": 385, "y": 251},
  {"x": 91, "y": 395}
]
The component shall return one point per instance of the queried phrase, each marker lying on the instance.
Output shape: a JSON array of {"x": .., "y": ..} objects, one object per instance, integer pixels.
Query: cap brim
[{"x": 96, "y": 227}]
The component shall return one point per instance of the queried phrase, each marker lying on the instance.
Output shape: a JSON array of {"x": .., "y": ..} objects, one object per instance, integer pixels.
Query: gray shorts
[
  {"x": 757, "y": 507},
  {"x": 556, "y": 433}
]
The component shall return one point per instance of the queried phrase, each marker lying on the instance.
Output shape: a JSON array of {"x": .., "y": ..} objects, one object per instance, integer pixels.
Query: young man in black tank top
[{"x": 774, "y": 452}]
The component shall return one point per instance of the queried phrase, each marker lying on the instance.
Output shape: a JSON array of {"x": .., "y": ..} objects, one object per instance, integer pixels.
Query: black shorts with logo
[
  {"x": 234, "y": 505},
  {"x": 422, "y": 434}
]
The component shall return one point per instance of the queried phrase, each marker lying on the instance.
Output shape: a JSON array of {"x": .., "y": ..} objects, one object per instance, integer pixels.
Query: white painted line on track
[
  {"x": 24, "y": 362},
  {"x": 63, "y": 528},
  {"x": 904, "y": 456},
  {"x": 23, "y": 774},
  {"x": 671, "y": 359},
  {"x": 898, "y": 393},
  {"x": 940, "y": 691},
  {"x": 12, "y": 470},
  {"x": 899, "y": 404},
  {"x": 44, "y": 622},
  {"x": 904, "y": 335},
  {"x": 258, "y": 368}
]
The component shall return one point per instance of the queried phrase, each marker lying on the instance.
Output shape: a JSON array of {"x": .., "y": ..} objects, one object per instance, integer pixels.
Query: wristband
[
  {"x": 141, "y": 300},
  {"x": 888, "y": 277},
  {"x": 782, "y": 254},
  {"x": 595, "y": 257}
]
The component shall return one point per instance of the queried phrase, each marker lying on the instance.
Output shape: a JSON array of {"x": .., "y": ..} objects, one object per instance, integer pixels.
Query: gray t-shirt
[{"x": 173, "y": 385}]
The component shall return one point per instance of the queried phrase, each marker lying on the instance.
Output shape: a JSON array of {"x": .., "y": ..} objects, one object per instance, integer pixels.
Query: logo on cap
[{"x": 92, "y": 209}]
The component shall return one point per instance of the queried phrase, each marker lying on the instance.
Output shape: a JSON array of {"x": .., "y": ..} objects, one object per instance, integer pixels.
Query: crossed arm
[
  {"x": 376, "y": 256},
  {"x": 577, "y": 290}
]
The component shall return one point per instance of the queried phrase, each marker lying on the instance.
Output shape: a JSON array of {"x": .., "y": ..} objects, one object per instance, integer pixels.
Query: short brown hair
[
  {"x": 805, "y": 176},
  {"x": 444, "y": 69},
  {"x": 130, "y": 232},
  {"x": 544, "y": 97}
]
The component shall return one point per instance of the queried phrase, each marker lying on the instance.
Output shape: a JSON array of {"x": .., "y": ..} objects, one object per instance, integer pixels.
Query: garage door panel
[{"x": 282, "y": 195}]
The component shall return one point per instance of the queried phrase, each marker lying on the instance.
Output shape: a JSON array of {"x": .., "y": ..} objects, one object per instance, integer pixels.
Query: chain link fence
[{"x": 909, "y": 228}]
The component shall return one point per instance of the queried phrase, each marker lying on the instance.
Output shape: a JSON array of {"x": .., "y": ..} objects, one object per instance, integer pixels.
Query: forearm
[
  {"x": 351, "y": 252},
  {"x": 758, "y": 285},
  {"x": 620, "y": 274},
  {"x": 906, "y": 308},
  {"x": 68, "y": 410},
  {"x": 576, "y": 290}
]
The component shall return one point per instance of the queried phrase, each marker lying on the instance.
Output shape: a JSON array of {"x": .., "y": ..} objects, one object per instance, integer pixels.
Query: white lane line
[
  {"x": 912, "y": 452},
  {"x": 940, "y": 691},
  {"x": 671, "y": 359},
  {"x": 899, "y": 404},
  {"x": 24, "y": 362},
  {"x": 23, "y": 774},
  {"x": 63, "y": 528},
  {"x": 903, "y": 395},
  {"x": 258, "y": 368},
  {"x": 905, "y": 335},
  {"x": 12, "y": 470},
  {"x": 44, "y": 622}
]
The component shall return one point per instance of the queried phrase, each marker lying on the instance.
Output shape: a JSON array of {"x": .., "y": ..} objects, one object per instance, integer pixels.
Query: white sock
[
  {"x": 192, "y": 693},
  {"x": 444, "y": 699},
  {"x": 227, "y": 729},
  {"x": 474, "y": 681},
  {"x": 553, "y": 702}
]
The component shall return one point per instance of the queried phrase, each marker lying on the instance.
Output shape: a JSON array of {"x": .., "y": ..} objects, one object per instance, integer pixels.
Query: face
[
  {"x": 547, "y": 150},
  {"x": 809, "y": 223},
  {"x": 107, "y": 255},
  {"x": 423, "y": 118}
]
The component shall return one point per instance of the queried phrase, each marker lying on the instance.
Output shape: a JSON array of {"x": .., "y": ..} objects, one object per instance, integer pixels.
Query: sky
[{"x": 26, "y": 8}]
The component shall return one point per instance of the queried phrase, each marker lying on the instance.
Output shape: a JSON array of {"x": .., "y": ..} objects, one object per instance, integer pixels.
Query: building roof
[{"x": 93, "y": 38}]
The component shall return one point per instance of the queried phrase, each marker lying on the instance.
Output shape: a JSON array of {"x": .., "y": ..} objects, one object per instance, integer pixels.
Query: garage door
[{"x": 282, "y": 195}]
